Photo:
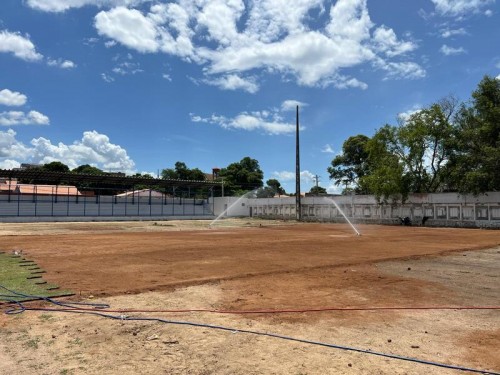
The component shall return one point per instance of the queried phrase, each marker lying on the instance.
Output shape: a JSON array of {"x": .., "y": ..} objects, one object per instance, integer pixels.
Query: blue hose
[{"x": 72, "y": 305}]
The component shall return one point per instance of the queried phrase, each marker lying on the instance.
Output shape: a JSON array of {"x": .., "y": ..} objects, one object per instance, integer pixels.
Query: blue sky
[{"x": 136, "y": 85}]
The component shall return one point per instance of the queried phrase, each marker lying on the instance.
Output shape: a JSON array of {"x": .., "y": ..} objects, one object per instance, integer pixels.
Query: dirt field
[{"x": 254, "y": 265}]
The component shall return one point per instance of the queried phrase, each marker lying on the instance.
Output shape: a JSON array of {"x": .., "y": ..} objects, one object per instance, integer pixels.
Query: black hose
[{"x": 72, "y": 307}]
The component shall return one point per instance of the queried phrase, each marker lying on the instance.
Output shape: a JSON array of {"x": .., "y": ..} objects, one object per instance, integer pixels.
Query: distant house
[
  {"x": 146, "y": 193},
  {"x": 13, "y": 187},
  {"x": 7, "y": 186}
]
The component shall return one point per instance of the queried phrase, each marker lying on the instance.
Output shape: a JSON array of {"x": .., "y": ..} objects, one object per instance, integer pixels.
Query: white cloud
[
  {"x": 19, "y": 45},
  {"x": 93, "y": 148},
  {"x": 110, "y": 43},
  {"x": 12, "y": 98},
  {"x": 63, "y": 64},
  {"x": 267, "y": 121},
  {"x": 12, "y": 118},
  {"x": 285, "y": 176},
  {"x": 128, "y": 27},
  {"x": 448, "y": 33},
  {"x": 460, "y": 7},
  {"x": 345, "y": 82},
  {"x": 10, "y": 147},
  {"x": 291, "y": 105},
  {"x": 63, "y": 5},
  {"x": 127, "y": 68},
  {"x": 167, "y": 77},
  {"x": 405, "y": 116},
  {"x": 107, "y": 78},
  {"x": 9, "y": 164},
  {"x": 488, "y": 13},
  {"x": 67, "y": 64},
  {"x": 334, "y": 189},
  {"x": 229, "y": 38},
  {"x": 255, "y": 121},
  {"x": 401, "y": 70},
  {"x": 234, "y": 82},
  {"x": 327, "y": 149},
  {"x": 387, "y": 42},
  {"x": 448, "y": 51},
  {"x": 498, "y": 77}
]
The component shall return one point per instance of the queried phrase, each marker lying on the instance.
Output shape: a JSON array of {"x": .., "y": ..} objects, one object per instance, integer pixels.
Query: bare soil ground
[{"x": 248, "y": 265}]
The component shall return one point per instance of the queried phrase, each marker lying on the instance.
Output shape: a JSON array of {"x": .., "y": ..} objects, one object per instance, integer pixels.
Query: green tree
[
  {"x": 386, "y": 178},
  {"x": 411, "y": 157},
  {"x": 475, "y": 163},
  {"x": 275, "y": 185},
  {"x": 182, "y": 172},
  {"x": 272, "y": 188},
  {"x": 242, "y": 176},
  {"x": 317, "y": 190},
  {"x": 87, "y": 169},
  {"x": 351, "y": 166},
  {"x": 55, "y": 166}
]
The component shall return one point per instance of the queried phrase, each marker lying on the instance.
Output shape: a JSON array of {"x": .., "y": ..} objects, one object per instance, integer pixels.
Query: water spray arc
[
  {"x": 344, "y": 215},
  {"x": 246, "y": 195}
]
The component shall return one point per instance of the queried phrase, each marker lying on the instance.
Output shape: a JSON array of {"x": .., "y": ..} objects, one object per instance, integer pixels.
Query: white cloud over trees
[{"x": 93, "y": 148}]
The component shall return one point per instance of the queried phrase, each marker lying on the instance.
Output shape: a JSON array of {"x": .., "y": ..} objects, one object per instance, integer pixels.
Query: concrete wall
[
  {"x": 231, "y": 207},
  {"x": 446, "y": 209}
]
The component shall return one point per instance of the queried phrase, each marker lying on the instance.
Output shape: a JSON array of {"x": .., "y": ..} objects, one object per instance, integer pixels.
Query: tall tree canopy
[
  {"x": 55, "y": 166},
  {"x": 398, "y": 160},
  {"x": 352, "y": 165},
  {"x": 317, "y": 190},
  {"x": 87, "y": 169},
  {"x": 443, "y": 147},
  {"x": 242, "y": 176},
  {"x": 182, "y": 172},
  {"x": 475, "y": 162},
  {"x": 275, "y": 185}
]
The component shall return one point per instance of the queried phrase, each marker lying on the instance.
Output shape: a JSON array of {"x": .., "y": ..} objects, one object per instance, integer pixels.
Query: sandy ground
[{"x": 248, "y": 265}]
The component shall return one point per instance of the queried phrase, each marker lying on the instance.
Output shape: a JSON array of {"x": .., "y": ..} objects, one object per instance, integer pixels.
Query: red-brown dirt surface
[
  {"x": 263, "y": 265},
  {"x": 117, "y": 263}
]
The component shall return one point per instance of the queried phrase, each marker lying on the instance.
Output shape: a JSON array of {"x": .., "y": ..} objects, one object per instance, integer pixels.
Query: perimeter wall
[
  {"x": 33, "y": 207},
  {"x": 444, "y": 209}
]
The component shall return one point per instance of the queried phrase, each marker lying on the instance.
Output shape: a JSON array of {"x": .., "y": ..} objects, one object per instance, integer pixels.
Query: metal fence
[{"x": 65, "y": 205}]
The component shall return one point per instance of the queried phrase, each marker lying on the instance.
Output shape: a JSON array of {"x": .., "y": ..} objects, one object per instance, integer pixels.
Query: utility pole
[
  {"x": 298, "y": 205},
  {"x": 316, "y": 180}
]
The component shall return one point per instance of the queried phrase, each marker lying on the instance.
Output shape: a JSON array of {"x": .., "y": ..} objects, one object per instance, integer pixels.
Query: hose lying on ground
[{"x": 75, "y": 308}]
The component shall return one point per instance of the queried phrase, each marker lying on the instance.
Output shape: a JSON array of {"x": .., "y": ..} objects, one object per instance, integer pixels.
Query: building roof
[
  {"x": 114, "y": 180},
  {"x": 5, "y": 186},
  {"x": 141, "y": 193},
  {"x": 47, "y": 189}
]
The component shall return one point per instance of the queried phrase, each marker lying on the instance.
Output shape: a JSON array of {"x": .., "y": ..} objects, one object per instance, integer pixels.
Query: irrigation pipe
[
  {"x": 291, "y": 311},
  {"x": 71, "y": 308}
]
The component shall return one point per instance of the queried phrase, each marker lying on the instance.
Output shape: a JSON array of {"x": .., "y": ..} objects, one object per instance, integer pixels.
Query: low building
[{"x": 13, "y": 187}]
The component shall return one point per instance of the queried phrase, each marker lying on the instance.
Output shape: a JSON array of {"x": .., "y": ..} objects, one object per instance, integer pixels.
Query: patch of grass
[
  {"x": 32, "y": 343},
  {"x": 15, "y": 277},
  {"x": 76, "y": 341},
  {"x": 46, "y": 317}
]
